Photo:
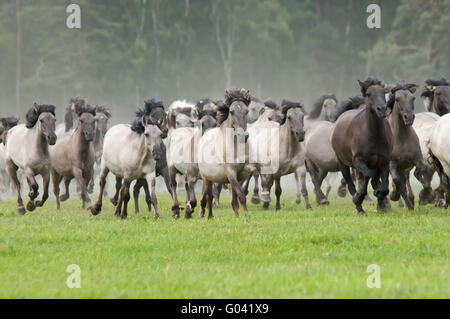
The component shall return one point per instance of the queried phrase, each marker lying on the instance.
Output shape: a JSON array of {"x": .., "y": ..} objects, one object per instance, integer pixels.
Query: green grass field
[{"x": 293, "y": 253}]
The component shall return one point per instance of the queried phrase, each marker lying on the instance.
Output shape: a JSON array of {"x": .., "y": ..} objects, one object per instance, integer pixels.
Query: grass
[{"x": 293, "y": 253}]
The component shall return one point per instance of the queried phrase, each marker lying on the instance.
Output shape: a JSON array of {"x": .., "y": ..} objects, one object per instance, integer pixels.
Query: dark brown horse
[
  {"x": 437, "y": 96},
  {"x": 406, "y": 153},
  {"x": 363, "y": 139}
]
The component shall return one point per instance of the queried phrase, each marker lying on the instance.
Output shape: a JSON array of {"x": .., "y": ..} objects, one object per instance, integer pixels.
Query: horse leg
[
  {"x": 382, "y": 192},
  {"x": 299, "y": 188},
  {"x": 203, "y": 200},
  {"x": 56, "y": 180},
  {"x": 345, "y": 170},
  {"x": 151, "y": 180},
  {"x": 209, "y": 198},
  {"x": 126, "y": 198},
  {"x": 33, "y": 186},
  {"x": 118, "y": 210},
  {"x": 317, "y": 176},
  {"x": 173, "y": 187},
  {"x": 424, "y": 175},
  {"x": 342, "y": 189},
  {"x": 66, "y": 195},
  {"x": 301, "y": 174},
  {"x": 363, "y": 174},
  {"x": 95, "y": 209},
  {"x": 148, "y": 197},
  {"x": 255, "y": 197},
  {"x": 327, "y": 178},
  {"x": 236, "y": 187},
  {"x": 116, "y": 194},
  {"x": 266, "y": 183},
  {"x": 45, "y": 185},
  {"x": 217, "y": 188},
  {"x": 235, "y": 203},
  {"x": 191, "y": 200},
  {"x": 136, "y": 189},
  {"x": 12, "y": 172},
  {"x": 278, "y": 193},
  {"x": 409, "y": 189},
  {"x": 81, "y": 183}
]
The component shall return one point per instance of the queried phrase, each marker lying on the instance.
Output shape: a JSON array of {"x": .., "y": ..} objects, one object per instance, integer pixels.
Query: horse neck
[
  {"x": 288, "y": 144},
  {"x": 78, "y": 136},
  {"x": 40, "y": 142},
  {"x": 374, "y": 123},
  {"x": 98, "y": 139},
  {"x": 398, "y": 127}
]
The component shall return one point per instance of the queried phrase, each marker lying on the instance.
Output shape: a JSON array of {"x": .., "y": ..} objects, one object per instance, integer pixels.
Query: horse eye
[{"x": 146, "y": 135}]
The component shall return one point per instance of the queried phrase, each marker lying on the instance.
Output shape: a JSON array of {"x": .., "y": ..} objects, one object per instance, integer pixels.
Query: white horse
[
  {"x": 286, "y": 155},
  {"x": 440, "y": 148},
  {"x": 130, "y": 152},
  {"x": 424, "y": 124},
  {"x": 221, "y": 151},
  {"x": 182, "y": 148},
  {"x": 27, "y": 148}
]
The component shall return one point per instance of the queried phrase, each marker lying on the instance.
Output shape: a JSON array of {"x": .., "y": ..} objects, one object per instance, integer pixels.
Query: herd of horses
[{"x": 226, "y": 143}]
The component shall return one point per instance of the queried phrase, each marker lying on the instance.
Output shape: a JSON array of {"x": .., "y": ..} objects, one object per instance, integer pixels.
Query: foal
[
  {"x": 363, "y": 139},
  {"x": 27, "y": 148}
]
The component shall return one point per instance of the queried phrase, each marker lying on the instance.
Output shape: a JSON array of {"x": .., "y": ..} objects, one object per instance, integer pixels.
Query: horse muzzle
[
  {"x": 51, "y": 139},
  {"x": 156, "y": 154},
  {"x": 408, "y": 119},
  {"x": 300, "y": 136},
  {"x": 242, "y": 136}
]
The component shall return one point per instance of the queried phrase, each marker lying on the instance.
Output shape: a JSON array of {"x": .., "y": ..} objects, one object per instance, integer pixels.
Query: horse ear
[
  {"x": 144, "y": 121},
  {"x": 361, "y": 84},
  {"x": 247, "y": 95},
  {"x": 227, "y": 94},
  {"x": 412, "y": 87},
  {"x": 262, "y": 110},
  {"x": 35, "y": 107}
]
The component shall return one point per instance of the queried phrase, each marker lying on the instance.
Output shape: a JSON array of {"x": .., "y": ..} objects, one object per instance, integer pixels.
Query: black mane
[
  {"x": 231, "y": 96},
  {"x": 271, "y": 104},
  {"x": 201, "y": 103},
  {"x": 352, "y": 103},
  {"x": 287, "y": 104},
  {"x": 9, "y": 122},
  {"x": 368, "y": 83},
  {"x": 68, "y": 116},
  {"x": 149, "y": 106},
  {"x": 441, "y": 82},
  {"x": 206, "y": 113},
  {"x": 317, "y": 106},
  {"x": 34, "y": 112},
  {"x": 103, "y": 109}
]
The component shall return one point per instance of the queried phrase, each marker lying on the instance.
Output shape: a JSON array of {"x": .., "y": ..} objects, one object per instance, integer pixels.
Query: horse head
[
  {"x": 437, "y": 96},
  {"x": 235, "y": 108},
  {"x": 374, "y": 92},
  {"x": 44, "y": 115},
  {"x": 153, "y": 138},
  {"x": 294, "y": 114},
  {"x": 402, "y": 95}
]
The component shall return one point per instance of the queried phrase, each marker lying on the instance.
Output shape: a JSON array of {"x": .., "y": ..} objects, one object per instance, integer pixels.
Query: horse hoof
[
  {"x": 440, "y": 203},
  {"x": 64, "y": 197},
  {"x": 95, "y": 209},
  {"x": 308, "y": 206},
  {"x": 342, "y": 192},
  {"x": 361, "y": 212},
  {"x": 323, "y": 201},
  {"x": 277, "y": 207},
  {"x": 298, "y": 200},
  {"x": 255, "y": 200},
  {"x": 210, "y": 216},
  {"x": 216, "y": 205},
  {"x": 30, "y": 206},
  {"x": 113, "y": 201},
  {"x": 21, "y": 210},
  {"x": 266, "y": 198}
]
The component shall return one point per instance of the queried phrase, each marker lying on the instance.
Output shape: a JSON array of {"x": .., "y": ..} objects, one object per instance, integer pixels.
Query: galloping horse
[
  {"x": 363, "y": 139},
  {"x": 130, "y": 152},
  {"x": 27, "y": 148},
  {"x": 220, "y": 160}
]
